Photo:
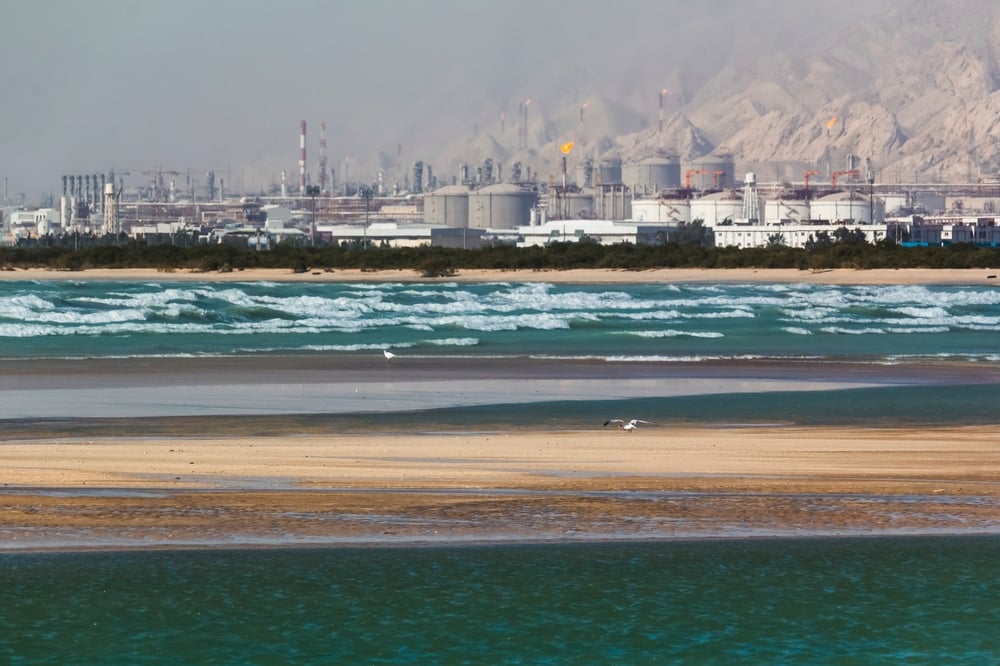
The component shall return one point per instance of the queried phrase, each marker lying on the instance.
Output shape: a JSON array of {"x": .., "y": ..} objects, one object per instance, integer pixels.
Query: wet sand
[
  {"x": 656, "y": 483},
  {"x": 46, "y": 389}
]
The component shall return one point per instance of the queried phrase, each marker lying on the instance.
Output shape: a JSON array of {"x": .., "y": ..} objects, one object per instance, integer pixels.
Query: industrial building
[{"x": 639, "y": 200}]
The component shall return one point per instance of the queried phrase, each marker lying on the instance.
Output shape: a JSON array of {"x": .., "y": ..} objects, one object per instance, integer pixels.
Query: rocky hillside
[{"x": 914, "y": 87}]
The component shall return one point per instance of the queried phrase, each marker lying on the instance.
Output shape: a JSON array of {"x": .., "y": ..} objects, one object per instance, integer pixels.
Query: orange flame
[
  {"x": 664, "y": 91},
  {"x": 831, "y": 122},
  {"x": 566, "y": 147}
]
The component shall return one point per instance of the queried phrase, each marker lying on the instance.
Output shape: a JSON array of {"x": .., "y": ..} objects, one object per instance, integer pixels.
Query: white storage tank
[
  {"x": 841, "y": 207},
  {"x": 448, "y": 206},
  {"x": 786, "y": 211},
  {"x": 651, "y": 175},
  {"x": 501, "y": 206},
  {"x": 668, "y": 211},
  {"x": 714, "y": 209}
]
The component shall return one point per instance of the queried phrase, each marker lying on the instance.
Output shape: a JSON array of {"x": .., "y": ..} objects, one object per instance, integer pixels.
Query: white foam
[{"x": 674, "y": 333}]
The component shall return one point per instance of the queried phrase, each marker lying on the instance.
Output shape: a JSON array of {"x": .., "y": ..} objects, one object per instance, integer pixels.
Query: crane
[
  {"x": 853, "y": 173},
  {"x": 715, "y": 177},
  {"x": 806, "y": 175},
  {"x": 688, "y": 174}
]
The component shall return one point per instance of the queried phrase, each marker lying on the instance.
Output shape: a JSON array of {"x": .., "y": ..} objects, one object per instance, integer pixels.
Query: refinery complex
[{"x": 606, "y": 200}]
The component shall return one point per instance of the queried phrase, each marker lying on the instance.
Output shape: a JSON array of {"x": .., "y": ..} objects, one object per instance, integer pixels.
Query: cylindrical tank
[
  {"x": 896, "y": 203},
  {"x": 841, "y": 207},
  {"x": 710, "y": 172},
  {"x": 501, "y": 206},
  {"x": 651, "y": 175},
  {"x": 610, "y": 171},
  {"x": 786, "y": 211},
  {"x": 717, "y": 208},
  {"x": 579, "y": 204},
  {"x": 448, "y": 206},
  {"x": 569, "y": 205},
  {"x": 665, "y": 210}
]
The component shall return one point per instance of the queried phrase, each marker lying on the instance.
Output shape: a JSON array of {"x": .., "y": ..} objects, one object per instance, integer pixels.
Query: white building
[
  {"x": 790, "y": 235},
  {"x": 277, "y": 216},
  {"x": 33, "y": 223},
  {"x": 395, "y": 234},
  {"x": 605, "y": 232}
]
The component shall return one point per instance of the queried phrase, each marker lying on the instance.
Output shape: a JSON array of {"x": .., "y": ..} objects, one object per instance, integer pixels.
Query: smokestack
[
  {"x": 302, "y": 158},
  {"x": 525, "y": 137},
  {"x": 662, "y": 93},
  {"x": 322, "y": 157}
]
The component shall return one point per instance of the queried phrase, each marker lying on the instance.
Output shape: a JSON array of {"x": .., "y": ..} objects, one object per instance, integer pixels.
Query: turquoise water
[
  {"x": 676, "y": 322},
  {"x": 927, "y": 600},
  {"x": 812, "y": 601}
]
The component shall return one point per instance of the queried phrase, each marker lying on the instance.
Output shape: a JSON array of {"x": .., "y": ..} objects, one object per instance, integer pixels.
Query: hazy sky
[{"x": 135, "y": 85}]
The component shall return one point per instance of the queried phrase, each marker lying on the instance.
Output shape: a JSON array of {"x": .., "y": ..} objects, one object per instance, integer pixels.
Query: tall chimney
[
  {"x": 322, "y": 157},
  {"x": 302, "y": 158}
]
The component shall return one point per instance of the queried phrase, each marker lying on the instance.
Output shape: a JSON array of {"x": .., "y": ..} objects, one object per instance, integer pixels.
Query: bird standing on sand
[
  {"x": 627, "y": 426},
  {"x": 388, "y": 355}
]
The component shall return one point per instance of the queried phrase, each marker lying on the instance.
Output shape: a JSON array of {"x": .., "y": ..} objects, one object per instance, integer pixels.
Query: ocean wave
[
  {"x": 516, "y": 318},
  {"x": 673, "y": 333},
  {"x": 453, "y": 342}
]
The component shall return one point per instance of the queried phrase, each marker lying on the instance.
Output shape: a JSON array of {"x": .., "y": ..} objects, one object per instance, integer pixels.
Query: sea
[{"x": 725, "y": 600}]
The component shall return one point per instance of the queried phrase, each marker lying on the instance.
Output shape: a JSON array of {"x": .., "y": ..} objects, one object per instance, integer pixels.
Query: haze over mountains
[
  {"x": 913, "y": 86},
  {"x": 194, "y": 86}
]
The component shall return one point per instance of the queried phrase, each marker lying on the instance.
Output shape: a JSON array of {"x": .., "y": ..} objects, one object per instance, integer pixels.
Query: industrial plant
[{"x": 603, "y": 199}]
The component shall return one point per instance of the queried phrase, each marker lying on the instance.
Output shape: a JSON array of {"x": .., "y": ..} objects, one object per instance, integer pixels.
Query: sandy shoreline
[
  {"x": 118, "y": 484},
  {"x": 658, "y": 483},
  {"x": 971, "y": 276}
]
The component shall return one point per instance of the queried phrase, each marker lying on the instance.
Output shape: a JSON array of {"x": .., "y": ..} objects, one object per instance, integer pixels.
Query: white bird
[
  {"x": 627, "y": 426},
  {"x": 388, "y": 355}
]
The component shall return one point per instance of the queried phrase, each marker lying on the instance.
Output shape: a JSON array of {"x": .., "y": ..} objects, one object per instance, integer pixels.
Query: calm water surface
[{"x": 927, "y": 600}]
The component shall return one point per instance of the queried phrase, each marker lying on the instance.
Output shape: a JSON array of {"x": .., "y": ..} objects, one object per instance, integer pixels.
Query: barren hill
[{"x": 913, "y": 86}]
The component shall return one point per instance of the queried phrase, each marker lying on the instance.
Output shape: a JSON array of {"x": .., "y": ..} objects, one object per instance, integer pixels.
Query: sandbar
[{"x": 483, "y": 487}]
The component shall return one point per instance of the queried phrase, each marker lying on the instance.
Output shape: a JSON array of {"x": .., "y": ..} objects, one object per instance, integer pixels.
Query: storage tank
[
  {"x": 501, "y": 206},
  {"x": 665, "y": 210},
  {"x": 569, "y": 205},
  {"x": 448, "y": 206},
  {"x": 841, "y": 207},
  {"x": 714, "y": 209},
  {"x": 651, "y": 175},
  {"x": 786, "y": 211},
  {"x": 579, "y": 204},
  {"x": 610, "y": 171},
  {"x": 710, "y": 172}
]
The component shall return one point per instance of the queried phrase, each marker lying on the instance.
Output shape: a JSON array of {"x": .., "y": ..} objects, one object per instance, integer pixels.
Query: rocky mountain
[{"x": 913, "y": 86}]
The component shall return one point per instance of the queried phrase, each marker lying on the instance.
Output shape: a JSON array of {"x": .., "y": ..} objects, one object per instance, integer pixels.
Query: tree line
[{"x": 847, "y": 252}]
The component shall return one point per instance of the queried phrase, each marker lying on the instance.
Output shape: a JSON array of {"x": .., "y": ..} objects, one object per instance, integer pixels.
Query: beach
[
  {"x": 841, "y": 276},
  {"x": 308, "y": 448}
]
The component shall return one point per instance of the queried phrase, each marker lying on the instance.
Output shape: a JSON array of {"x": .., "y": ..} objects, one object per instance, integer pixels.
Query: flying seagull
[
  {"x": 388, "y": 355},
  {"x": 627, "y": 426}
]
